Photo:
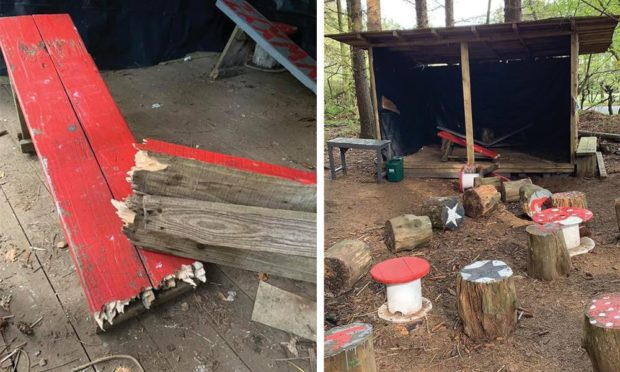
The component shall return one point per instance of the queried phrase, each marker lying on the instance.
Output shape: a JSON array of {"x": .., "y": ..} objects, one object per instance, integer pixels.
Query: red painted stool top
[
  {"x": 400, "y": 270},
  {"x": 551, "y": 215},
  {"x": 604, "y": 311}
]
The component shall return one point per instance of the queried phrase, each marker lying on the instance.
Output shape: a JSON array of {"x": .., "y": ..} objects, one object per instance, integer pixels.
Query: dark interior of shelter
[
  {"x": 138, "y": 33},
  {"x": 530, "y": 97}
]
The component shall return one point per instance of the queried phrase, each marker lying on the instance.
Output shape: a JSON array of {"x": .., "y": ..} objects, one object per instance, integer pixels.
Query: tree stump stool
[
  {"x": 569, "y": 218},
  {"x": 569, "y": 199},
  {"x": 487, "y": 300},
  {"x": 407, "y": 232},
  {"x": 349, "y": 348},
  {"x": 601, "y": 332},
  {"x": 345, "y": 263},
  {"x": 548, "y": 257},
  {"x": 444, "y": 212},
  {"x": 510, "y": 189},
  {"x": 534, "y": 199},
  {"x": 402, "y": 277},
  {"x": 480, "y": 201}
]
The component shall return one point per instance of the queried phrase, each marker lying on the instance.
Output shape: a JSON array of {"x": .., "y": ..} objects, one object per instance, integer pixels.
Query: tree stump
[
  {"x": 617, "y": 204},
  {"x": 480, "y": 201},
  {"x": 407, "y": 232},
  {"x": 534, "y": 199},
  {"x": 510, "y": 189},
  {"x": 349, "y": 348},
  {"x": 487, "y": 300},
  {"x": 493, "y": 181},
  {"x": 569, "y": 199},
  {"x": 601, "y": 332},
  {"x": 444, "y": 212},
  {"x": 345, "y": 263},
  {"x": 548, "y": 257}
]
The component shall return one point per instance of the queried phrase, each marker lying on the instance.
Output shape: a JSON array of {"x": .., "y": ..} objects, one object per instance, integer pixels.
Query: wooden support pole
[
  {"x": 373, "y": 95},
  {"x": 574, "y": 91},
  {"x": 469, "y": 127}
]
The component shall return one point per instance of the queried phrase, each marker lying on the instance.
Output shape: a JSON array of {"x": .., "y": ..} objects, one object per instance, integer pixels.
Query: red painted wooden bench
[{"x": 86, "y": 149}]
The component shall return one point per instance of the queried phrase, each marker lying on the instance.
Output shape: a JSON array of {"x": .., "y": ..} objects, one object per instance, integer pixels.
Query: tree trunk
[
  {"x": 548, "y": 257},
  {"x": 374, "y": 15},
  {"x": 617, "y": 205},
  {"x": 444, "y": 212},
  {"x": 407, "y": 232},
  {"x": 534, "y": 199},
  {"x": 601, "y": 332},
  {"x": 512, "y": 11},
  {"x": 358, "y": 62},
  {"x": 345, "y": 263},
  {"x": 575, "y": 199},
  {"x": 349, "y": 348},
  {"x": 487, "y": 300},
  {"x": 421, "y": 13},
  {"x": 449, "y": 13},
  {"x": 343, "y": 53},
  {"x": 510, "y": 189},
  {"x": 480, "y": 201},
  {"x": 489, "y": 12}
]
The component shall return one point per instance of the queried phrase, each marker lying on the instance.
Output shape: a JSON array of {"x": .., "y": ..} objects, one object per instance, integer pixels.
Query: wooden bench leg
[
  {"x": 332, "y": 166},
  {"x": 343, "y": 160},
  {"x": 25, "y": 141}
]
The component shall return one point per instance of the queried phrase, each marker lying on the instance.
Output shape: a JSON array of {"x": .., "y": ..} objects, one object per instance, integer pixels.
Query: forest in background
[{"x": 347, "y": 97}]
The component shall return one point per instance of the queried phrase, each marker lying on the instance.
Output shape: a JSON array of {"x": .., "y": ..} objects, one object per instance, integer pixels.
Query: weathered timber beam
[{"x": 158, "y": 174}]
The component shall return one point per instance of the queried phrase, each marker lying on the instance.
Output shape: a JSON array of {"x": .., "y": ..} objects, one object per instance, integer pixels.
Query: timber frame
[{"x": 554, "y": 37}]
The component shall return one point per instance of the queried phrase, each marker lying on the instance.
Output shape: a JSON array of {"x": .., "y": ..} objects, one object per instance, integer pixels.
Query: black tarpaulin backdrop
[
  {"x": 505, "y": 96},
  {"x": 137, "y": 33}
]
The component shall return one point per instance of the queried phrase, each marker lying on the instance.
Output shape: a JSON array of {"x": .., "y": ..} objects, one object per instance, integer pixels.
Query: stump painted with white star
[
  {"x": 548, "y": 257},
  {"x": 601, "y": 332},
  {"x": 487, "y": 300},
  {"x": 446, "y": 213}
]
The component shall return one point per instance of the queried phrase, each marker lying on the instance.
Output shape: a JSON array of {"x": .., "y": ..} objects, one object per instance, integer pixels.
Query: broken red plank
[
  {"x": 228, "y": 161},
  {"x": 103, "y": 123},
  {"x": 479, "y": 149},
  {"x": 108, "y": 266}
]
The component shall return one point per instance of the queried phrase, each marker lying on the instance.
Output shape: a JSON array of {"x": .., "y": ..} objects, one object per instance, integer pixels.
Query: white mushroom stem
[
  {"x": 570, "y": 231},
  {"x": 405, "y": 298}
]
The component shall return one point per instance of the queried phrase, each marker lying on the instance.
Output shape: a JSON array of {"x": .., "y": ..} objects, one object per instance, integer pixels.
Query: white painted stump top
[{"x": 486, "y": 271}]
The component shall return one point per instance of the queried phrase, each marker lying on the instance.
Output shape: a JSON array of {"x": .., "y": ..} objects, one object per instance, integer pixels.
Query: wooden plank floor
[{"x": 199, "y": 331}]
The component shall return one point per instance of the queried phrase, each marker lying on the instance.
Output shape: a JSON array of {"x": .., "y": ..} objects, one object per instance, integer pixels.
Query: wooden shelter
[{"x": 514, "y": 78}]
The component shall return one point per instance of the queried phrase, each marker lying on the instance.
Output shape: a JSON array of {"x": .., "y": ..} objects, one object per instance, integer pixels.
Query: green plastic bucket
[{"x": 395, "y": 171}]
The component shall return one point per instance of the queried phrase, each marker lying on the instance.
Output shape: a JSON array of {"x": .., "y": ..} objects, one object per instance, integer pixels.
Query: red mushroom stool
[
  {"x": 569, "y": 218},
  {"x": 402, "y": 277}
]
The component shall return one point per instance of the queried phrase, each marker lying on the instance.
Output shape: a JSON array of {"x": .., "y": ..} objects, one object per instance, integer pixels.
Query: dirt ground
[
  {"x": 548, "y": 334},
  {"x": 268, "y": 117}
]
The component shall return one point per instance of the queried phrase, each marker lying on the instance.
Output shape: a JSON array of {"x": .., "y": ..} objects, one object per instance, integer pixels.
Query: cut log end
[
  {"x": 480, "y": 201},
  {"x": 408, "y": 232},
  {"x": 601, "y": 334},
  {"x": 345, "y": 263}
]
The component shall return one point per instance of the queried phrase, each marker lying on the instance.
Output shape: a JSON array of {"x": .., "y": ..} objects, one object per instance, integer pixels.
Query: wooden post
[
  {"x": 407, "y": 232},
  {"x": 469, "y": 128},
  {"x": 574, "y": 91},
  {"x": 487, "y": 300},
  {"x": 349, "y": 348},
  {"x": 373, "y": 94},
  {"x": 548, "y": 257},
  {"x": 601, "y": 332},
  {"x": 345, "y": 263}
]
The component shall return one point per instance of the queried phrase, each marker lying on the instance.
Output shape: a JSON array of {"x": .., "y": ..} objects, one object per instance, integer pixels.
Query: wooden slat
[
  {"x": 103, "y": 123},
  {"x": 230, "y": 225},
  {"x": 587, "y": 146},
  {"x": 602, "y": 171},
  {"x": 469, "y": 126},
  {"x": 108, "y": 265},
  {"x": 166, "y": 175}
]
